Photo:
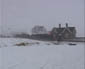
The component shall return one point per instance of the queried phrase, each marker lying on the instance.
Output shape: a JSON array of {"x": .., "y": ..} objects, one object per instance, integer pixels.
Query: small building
[
  {"x": 40, "y": 33},
  {"x": 62, "y": 33},
  {"x": 39, "y": 30}
]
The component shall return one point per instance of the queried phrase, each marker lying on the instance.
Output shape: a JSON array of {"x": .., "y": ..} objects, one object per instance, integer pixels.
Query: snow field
[{"x": 44, "y": 55}]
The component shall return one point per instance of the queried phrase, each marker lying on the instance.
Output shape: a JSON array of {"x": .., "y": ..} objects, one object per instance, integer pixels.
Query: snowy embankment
[{"x": 40, "y": 55}]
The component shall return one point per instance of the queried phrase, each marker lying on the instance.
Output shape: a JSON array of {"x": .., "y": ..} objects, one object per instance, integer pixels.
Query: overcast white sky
[{"x": 22, "y": 15}]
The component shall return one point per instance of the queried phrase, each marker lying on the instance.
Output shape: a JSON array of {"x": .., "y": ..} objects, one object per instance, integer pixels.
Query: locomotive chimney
[
  {"x": 66, "y": 25},
  {"x": 59, "y": 25}
]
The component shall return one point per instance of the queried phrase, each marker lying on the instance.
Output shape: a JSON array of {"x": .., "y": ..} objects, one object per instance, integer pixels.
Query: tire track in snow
[{"x": 16, "y": 65}]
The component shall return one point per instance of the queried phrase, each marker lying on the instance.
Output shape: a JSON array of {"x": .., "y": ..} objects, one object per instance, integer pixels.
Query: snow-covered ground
[{"x": 40, "y": 55}]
